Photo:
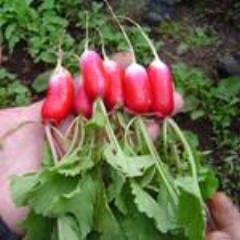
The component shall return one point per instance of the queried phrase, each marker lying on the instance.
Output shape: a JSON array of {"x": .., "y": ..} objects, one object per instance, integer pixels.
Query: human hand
[
  {"x": 22, "y": 151},
  {"x": 226, "y": 219}
]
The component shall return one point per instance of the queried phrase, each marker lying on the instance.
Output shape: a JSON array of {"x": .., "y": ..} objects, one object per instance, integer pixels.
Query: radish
[
  {"x": 161, "y": 81},
  {"x": 60, "y": 94},
  {"x": 95, "y": 79},
  {"x": 59, "y": 101},
  {"x": 137, "y": 89},
  {"x": 162, "y": 88},
  {"x": 82, "y": 104},
  {"x": 114, "y": 94},
  {"x": 136, "y": 85}
]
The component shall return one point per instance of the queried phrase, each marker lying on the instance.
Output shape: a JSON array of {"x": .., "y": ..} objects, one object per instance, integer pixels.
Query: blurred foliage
[
  {"x": 219, "y": 105},
  {"x": 192, "y": 37},
  {"x": 12, "y": 92},
  {"x": 43, "y": 25}
]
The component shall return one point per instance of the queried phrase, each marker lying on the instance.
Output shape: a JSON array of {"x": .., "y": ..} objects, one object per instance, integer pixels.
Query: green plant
[
  {"x": 191, "y": 36},
  {"x": 42, "y": 26},
  {"x": 12, "y": 92},
  {"x": 107, "y": 188},
  {"x": 218, "y": 104},
  {"x": 16, "y": 20},
  {"x": 201, "y": 37}
]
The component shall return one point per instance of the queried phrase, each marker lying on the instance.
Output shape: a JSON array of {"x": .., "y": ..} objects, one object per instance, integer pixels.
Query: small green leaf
[
  {"x": 37, "y": 227},
  {"x": 80, "y": 204},
  {"x": 51, "y": 188},
  {"x": 41, "y": 81},
  {"x": 146, "y": 204},
  {"x": 130, "y": 166},
  {"x": 138, "y": 226},
  {"x": 208, "y": 182},
  {"x": 197, "y": 114},
  {"x": 67, "y": 228},
  {"x": 105, "y": 222},
  {"x": 98, "y": 119},
  {"x": 182, "y": 48},
  {"x": 75, "y": 163},
  {"x": 192, "y": 138},
  {"x": 229, "y": 86},
  {"x": 21, "y": 187},
  {"x": 191, "y": 215}
]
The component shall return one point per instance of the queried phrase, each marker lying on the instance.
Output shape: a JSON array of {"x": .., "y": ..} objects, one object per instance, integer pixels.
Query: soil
[{"x": 21, "y": 64}]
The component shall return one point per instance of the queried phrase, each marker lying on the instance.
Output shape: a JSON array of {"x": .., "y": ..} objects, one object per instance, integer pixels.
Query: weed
[
  {"x": 12, "y": 92},
  {"x": 192, "y": 37},
  {"x": 218, "y": 104}
]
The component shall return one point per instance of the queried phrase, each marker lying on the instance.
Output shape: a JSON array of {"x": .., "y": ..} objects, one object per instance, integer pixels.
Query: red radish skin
[
  {"x": 82, "y": 104},
  {"x": 137, "y": 89},
  {"x": 95, "y": 79},
  {"x": 160, "y": 78},
  {"x": 114, "y": 95},
  {"x": 60, "y": 94}
]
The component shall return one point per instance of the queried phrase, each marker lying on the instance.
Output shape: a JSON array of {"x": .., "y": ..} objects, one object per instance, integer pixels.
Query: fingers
[
  {"x": 218, "y": 235},
  {"x": 178, "y": 103},
  {"x": 123, "y": 58},
  {"x": 223, "y": 210},
  {"x": 226, "y": 215}
]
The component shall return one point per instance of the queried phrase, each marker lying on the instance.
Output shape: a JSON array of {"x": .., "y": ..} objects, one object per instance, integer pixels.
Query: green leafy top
[{"x": 99, "y": 191}]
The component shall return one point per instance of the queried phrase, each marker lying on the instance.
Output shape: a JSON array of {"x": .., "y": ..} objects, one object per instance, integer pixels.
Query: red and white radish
[
  {"x": 114, "y": 94},
  {"x": 60, "y": 94},
  {"x": 95, "y": 79},
  {"x": 137, "y": 89},
  {"x": 82, "y": 104},
  {"x": 162, "y": 88},
  {"x": 161, "y": 81},
  {"x": 136, "y": 85}
]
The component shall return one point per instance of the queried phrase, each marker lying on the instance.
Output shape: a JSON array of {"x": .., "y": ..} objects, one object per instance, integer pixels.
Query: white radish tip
[
  {"x": 159, "y": 64},
  {"x": 109, "y": 63},
  {"x": 135, "y": 67}
]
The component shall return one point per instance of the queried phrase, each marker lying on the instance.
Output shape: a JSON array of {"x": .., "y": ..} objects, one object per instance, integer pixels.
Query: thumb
[
  {"x": 226, "y": 215},
  {"x": 218, "y": 235}
]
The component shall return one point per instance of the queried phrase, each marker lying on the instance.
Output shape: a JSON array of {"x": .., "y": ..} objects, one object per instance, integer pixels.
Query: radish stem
[
  {"x": 165, "y": 137},
  {"x": 74, "y": 139},
  {"x": 69, "y": 129},
  {"x": 126, "y": 134},
  {"x": 109, "y": 129},
  {"x": 148, "y": 40},
  {"x": 87, "y": 32},
  {"x": 103, "y": 45},
  {"x": 189, "y": 152},
  {"x": 51, "y": 143},
  {"x": 59, "y": 56},
  {"x": 158, "y": 161},
  {"x": 176, "y": 157},
  {"x": 122, "y": 29},
  {"x": 82, "y": 138}
]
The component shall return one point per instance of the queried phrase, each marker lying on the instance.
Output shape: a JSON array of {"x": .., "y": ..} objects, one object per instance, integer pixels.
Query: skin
[{"x": 21, "y": 153}]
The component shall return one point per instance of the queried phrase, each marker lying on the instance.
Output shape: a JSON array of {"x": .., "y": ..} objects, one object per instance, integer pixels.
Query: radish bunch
[
  {"x": 139, "y": 90},
  {"x": 100, "y": 150}
]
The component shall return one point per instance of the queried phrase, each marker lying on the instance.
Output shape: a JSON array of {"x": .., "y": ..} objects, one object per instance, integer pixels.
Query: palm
[{"x": 20, "y": 153}]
